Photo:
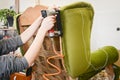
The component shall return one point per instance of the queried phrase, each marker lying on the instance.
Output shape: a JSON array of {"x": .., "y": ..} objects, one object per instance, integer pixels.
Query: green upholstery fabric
[
  {"x": 76, "y": 22},
  {"x": 99, "y": 60},
  {"x": 104, "y": 56}
]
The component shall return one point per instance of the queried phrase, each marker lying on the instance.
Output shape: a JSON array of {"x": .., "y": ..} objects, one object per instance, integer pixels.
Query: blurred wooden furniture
[{"x": 20, "y": 76}]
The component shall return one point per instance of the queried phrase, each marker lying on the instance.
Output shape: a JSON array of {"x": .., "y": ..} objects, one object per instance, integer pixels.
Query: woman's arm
[
  {"x": 13, "y": 43},
  {"x": 10, "y": 64},
  {"x": 10, "y": 44},
  {"x": 34, "y": 49},
  {"x": 29, "y": 32}
]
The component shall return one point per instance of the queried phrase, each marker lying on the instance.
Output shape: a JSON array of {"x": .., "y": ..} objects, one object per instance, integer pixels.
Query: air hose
[{"x": 57, "y": 55}]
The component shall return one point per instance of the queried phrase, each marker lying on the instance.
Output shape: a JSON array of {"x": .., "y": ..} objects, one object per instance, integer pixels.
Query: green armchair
[{"x": 77, "y": 20}]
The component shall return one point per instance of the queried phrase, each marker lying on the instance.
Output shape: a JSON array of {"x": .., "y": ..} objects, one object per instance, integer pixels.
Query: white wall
[
  {"x": 6, "y": 3},
  {"x": 106, "y": 20},
  {"x": 24, "y": 4}
]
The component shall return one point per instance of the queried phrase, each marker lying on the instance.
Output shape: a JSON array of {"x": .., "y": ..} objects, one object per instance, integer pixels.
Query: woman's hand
[{"x": 48, "y": 22}]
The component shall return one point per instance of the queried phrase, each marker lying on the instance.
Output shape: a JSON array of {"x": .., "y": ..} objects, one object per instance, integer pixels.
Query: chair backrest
[
  {"x": 76, "y": 22},
  {"x": 31, "y": 14}
]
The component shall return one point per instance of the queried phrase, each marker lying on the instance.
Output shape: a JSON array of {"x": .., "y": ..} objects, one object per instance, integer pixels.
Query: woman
[{"x": 9, "y": 63}]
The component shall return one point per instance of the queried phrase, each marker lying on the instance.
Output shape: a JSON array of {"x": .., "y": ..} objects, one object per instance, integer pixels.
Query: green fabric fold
[{"x": 100, "y": 58}]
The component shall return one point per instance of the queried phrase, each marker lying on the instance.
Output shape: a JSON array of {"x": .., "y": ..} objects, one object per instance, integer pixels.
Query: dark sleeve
[
  {"x": 10, "y": 44},
  {"x": 10, "y": 64}
]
